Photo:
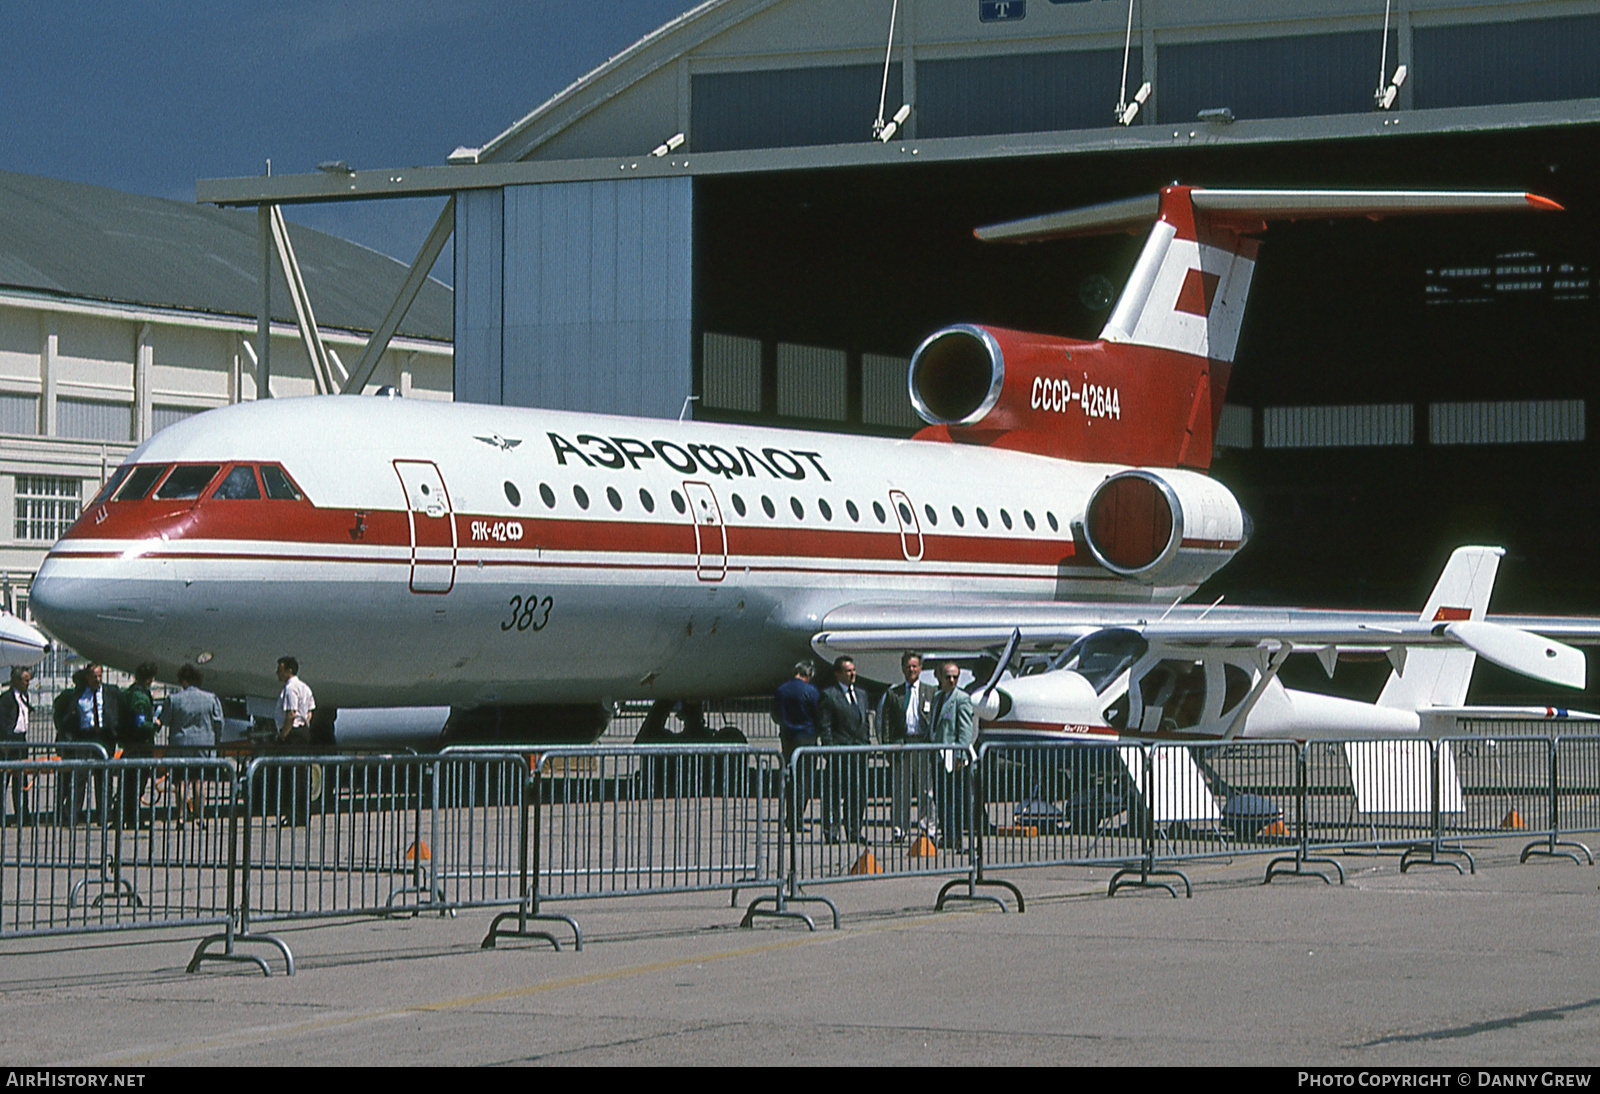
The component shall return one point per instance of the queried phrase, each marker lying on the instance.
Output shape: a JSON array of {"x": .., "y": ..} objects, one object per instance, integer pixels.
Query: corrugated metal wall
[
  {"x": 788, "y": 107},
  {"x": 19, "y": 413},
  {"x": 1021, "y": 93},
  {"x": 163, "y": 416},
  {"x": 1528, "y": 421},
  {"x": 1272, "y": 77},
  {"x": 1337, "y": 426},
  {"x": 813, "y": 382},
  {"x": 577, "y": 296},
  {"x": 731, "y": 372},
  {"x": 480, "y": 249},
  {"x": 885, "y": 399},
  {"x": 1528, "y": 61},
  {"x": 92, "y": 421}
]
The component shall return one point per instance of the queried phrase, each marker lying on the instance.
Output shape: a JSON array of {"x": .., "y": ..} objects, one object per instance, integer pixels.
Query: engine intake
[
  {"x": 956, "y": 375},
  {"x": 1176, "y": 527}
]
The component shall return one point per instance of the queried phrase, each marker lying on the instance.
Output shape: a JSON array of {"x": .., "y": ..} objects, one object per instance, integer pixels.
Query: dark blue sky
[{"x": 149, "y": 97}]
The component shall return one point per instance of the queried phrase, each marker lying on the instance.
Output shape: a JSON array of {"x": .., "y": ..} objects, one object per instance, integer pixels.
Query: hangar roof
[{"x": 89, "y": 242}]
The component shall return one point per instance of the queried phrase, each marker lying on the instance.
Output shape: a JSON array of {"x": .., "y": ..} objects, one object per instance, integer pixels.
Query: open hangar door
[{"x": 1400, "y": 388}]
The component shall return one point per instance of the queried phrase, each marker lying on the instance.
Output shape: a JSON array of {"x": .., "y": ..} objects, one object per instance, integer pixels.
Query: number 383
[{"x": 528, "y": 613}]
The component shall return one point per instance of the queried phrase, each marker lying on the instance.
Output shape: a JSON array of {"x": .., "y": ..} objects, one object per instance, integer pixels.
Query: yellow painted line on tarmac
[{"x": 323, "y": 1024}]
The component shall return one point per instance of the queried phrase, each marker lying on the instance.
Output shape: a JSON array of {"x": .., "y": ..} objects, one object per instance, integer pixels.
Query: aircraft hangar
[{"x": 709, "y": 219}]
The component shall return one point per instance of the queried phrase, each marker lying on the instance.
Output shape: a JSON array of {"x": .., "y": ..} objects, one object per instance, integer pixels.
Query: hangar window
[
  {"x": 1005, "y": 518},
  {"x": 738, "y": 505},
  {"x": 799, "y": 510},
  {"x": 825, "y": 509},
  {"x": 1530, "y": 421},
  {"x": 646, "y": 500},
  {"x": 877, "y": 511},
  {"x": 140, "y": 481},
  {"x": 239, "y": 484},
  {"x": 767, "y": 507},
  {"x": 850, "y": 507},
  {"x": 614, "y": 498},
  {"x": 677, "y": 502},
  {"x": 983, "y": 518},
  {"x": 961, "y": 521},
  {"x": 933, "y": 517},
  {"x": 279, "y": 488},
  {"x": 513, "y": 495},
  {"x": 547, "y": 495},
  {"x": 188, "y": 481},
  {"x": 1027, "y": 518},
  {"x": 580, "y": 495}
]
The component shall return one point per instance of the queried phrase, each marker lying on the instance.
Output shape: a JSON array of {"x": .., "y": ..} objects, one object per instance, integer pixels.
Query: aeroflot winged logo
[{"x": 499, "y": 442}]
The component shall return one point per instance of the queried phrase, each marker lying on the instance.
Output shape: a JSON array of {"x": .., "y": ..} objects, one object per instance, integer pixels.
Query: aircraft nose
[{"x": 20, "y": 644}]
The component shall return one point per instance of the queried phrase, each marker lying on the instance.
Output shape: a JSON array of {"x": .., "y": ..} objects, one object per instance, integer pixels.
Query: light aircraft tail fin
[
  {"x": 1169, "y": 344},
  {"x": 1439, "y": 677}
]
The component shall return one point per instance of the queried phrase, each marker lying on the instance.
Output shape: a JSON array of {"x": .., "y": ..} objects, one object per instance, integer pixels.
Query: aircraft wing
[{"x": 1524, "y": 644}]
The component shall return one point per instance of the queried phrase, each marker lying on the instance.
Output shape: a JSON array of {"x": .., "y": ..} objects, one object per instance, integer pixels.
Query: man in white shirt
[
  {"x": 295, "y": 704},
  {"x": 14, "y": 710}
]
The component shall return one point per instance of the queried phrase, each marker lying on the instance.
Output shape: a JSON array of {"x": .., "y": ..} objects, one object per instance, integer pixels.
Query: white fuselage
[{"x": 473, "y": 555}]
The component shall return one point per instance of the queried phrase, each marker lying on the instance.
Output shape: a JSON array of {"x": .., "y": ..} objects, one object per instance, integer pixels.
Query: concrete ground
[{"x": 1426, "y": 968}]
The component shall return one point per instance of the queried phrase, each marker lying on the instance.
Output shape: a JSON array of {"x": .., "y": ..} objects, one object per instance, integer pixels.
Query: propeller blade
[
  {"x": 1518, "y": 650},
  {"x": 1005, "y": 660}
]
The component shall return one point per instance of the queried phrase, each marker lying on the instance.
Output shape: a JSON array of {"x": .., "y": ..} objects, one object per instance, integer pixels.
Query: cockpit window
[
  {"x": 238, "y": 485},
  {"x": 111, "y": 486},
  {"x": 279, "y": 488},
  {"x": 140, "y": 481},
  {"x": 188, "y": 481},
  {"x": 1103, "y": 656}
]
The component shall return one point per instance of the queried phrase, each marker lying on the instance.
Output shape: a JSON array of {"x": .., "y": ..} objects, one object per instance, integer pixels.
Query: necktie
[{"x": 96, "y": 708}]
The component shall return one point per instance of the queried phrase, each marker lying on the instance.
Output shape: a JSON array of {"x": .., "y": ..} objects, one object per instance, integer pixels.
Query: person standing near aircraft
[
  {"x": 295, "y": 704},
  {"x": 14, "y": 711},
  {"x": 955, "y": 725},
  {"x": 794, "y": 708},
  {"x": 842, "y": 720},
  {"x": 193, "y": 718},
  {"x": 137, "y": 737},
  {"x": 905, "y": 716},
  {"x": 89, "y": 712}
]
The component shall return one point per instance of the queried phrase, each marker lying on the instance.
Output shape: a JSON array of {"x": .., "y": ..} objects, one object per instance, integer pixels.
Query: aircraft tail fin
[
  {"x": 1169, "y": 344},
  {"x": 1439, "y": 677}
]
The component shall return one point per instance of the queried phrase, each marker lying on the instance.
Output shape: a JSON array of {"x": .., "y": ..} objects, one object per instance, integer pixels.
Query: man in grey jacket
[{"x": 954, "y": 723}]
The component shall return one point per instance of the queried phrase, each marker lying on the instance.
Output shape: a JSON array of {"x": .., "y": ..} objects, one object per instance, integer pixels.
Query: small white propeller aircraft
[{"x": 1209, "y": 680}]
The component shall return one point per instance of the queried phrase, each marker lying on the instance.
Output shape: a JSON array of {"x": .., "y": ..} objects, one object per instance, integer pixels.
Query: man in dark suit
[
  {"x": 89, "y": 712},
  {"x": 842, "y": 720},
  {"x": 905, "y": 716}
]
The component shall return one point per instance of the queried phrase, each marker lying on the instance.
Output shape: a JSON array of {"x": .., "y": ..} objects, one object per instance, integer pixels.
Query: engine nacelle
[
  {"x": 1169, "y": 528},
  {"x": 1094, "y": 401}
]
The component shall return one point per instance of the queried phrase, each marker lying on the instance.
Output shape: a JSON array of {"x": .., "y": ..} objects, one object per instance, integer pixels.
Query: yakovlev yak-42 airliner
[{"x": 528, "y": 568}]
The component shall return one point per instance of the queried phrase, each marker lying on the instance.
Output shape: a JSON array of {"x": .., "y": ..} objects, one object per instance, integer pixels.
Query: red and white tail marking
[{"x": 1187, "y": 291}]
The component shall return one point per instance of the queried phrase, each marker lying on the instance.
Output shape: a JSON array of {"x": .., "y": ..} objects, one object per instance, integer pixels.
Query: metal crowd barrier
[
  {"x": 115, "y": 845},
  {"x": 629, "y": 821},
  {"x": 1574, "y": 799}
]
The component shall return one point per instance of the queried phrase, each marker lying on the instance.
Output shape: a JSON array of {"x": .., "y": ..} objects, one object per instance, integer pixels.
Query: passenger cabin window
[
  {"x": 188, "y": 481},
  {"x": 850, "y": 507},
  {"x": 983, "y": 518},
  {"x": 961, "y": 521},
  {"x": 647, "y": 501},
  {"x": 279, "y": 488},
  {"x": 1027, "y": 516},
  {"x": 825, "y": 509},
  {"x": 933, "y": 518},
  {"x": 513, "y": 495},
  {"x": 580, "y": 495},
  {"x": 799, "y": 510},
  {"x": 239, "y": 484},
  {"x": 141, "y": 480},
  {"x": 547, "y": 495},
  {"x": 1173, "y": 695},
  {"x": 877, "y": 511},
  {"x": 767, "y": 507},
  {"x": 614, "y": 498},
  {"x": 738, "y": 505}
]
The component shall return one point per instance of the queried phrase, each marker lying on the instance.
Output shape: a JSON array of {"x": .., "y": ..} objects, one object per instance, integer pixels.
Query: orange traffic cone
[
  {"x": 1276, "y": 828},
  {"x": 924, "y": 847},
  {"x": 418, "y": 852},
  {"x": 1512, "y": 819},
  {"x": 866, "y": 864}
]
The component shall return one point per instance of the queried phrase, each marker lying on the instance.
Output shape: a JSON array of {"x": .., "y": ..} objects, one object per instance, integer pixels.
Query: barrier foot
[
  {"x": 230, "y": 954},
  {"x": 1551, "y": 848},
  {"x": 122, "y": 889},
  {"x": 1433, "y": 851},
  {"x": 521, "y": 930},
  {"x": 434, "y": 896},
  {"x": 1298, "y": 869},
  {"x": 1142, "y": 877},
  {"x": 780, "y": 909},
  {"x": 946, "y": 892}
]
